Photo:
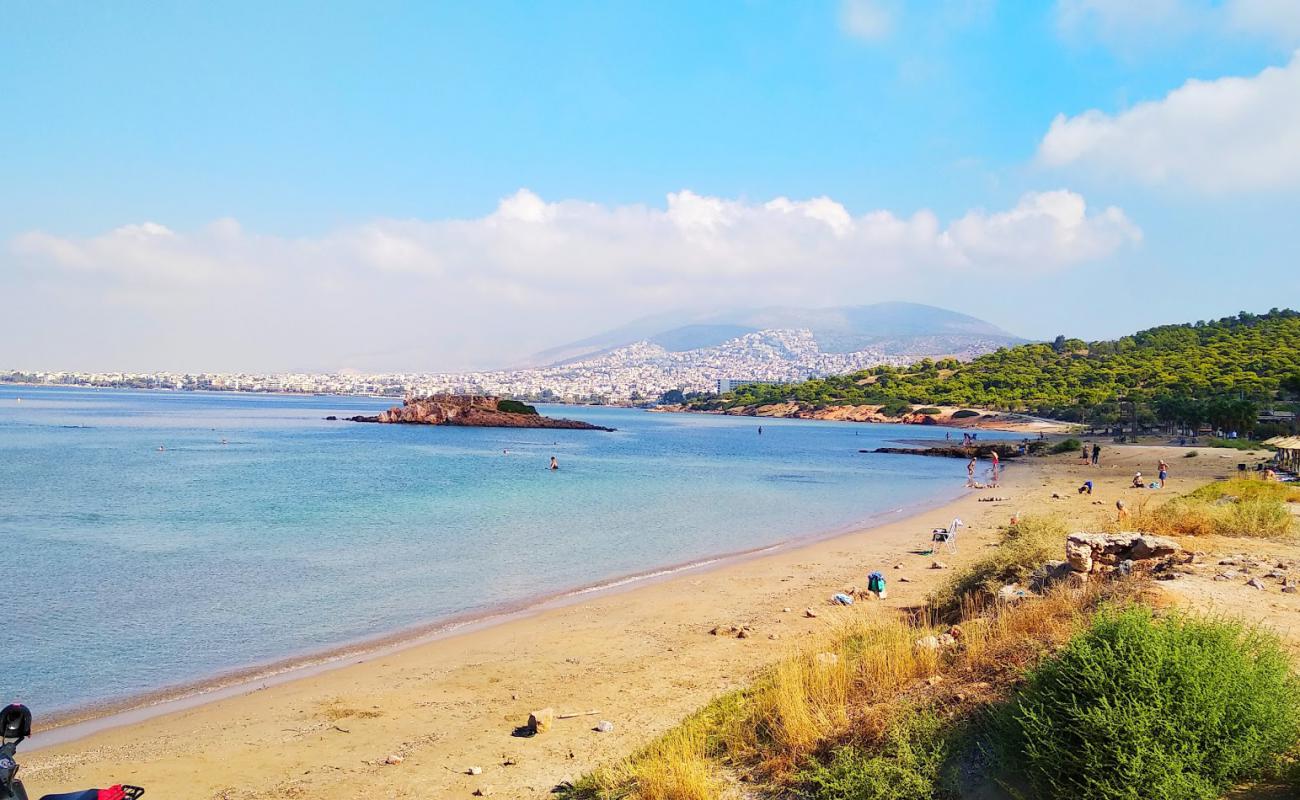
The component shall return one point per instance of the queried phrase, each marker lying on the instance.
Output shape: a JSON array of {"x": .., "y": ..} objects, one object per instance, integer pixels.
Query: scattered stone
[
  {"x": 938, "y": 565},
  {"x": 1256, "y": 583},
  {"x": 809, "y": 613},
  {"x": 1230, "y": 574},
  {"x": 604, "y": 726},
  {"x": 928, "y": 643},
  {"x": 474, "y": 771},
  {"x": 485, "y": 791},
  {"x": 773, "y": 636},
  {"x": 1230, "y": 562},
  {"x": 786, "y": 609},
  {"x": 1221, "y": 577},
  {"x": 904, "y": 579},
  {"x": 540, "y": 721},
  {"x": 1290, "y": 589},
  {"x": 393, "y": 759},
  {"x": 1277, "y": 573},
  {"x": 744, "y": 634}
]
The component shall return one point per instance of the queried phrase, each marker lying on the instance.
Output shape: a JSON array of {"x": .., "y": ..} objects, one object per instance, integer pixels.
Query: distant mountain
[{"x": 891, "y": 329}]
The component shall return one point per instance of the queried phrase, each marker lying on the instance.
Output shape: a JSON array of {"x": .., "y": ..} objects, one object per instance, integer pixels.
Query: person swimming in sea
[{"x": 554, "y": 464}]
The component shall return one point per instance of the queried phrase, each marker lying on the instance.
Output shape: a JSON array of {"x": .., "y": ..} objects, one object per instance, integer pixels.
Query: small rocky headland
[{"x": 472, "y": 411}]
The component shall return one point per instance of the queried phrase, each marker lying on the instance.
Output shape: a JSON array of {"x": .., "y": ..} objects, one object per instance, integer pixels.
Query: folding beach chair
[{"x": 945, "y": 538}]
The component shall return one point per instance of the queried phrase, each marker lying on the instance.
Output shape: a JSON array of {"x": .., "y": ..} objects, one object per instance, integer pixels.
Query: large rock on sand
[{"x": 1103, "y": 552}]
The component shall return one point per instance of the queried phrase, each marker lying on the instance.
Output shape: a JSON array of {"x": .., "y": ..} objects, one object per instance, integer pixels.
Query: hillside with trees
[{"x": 1218, "y": 372}]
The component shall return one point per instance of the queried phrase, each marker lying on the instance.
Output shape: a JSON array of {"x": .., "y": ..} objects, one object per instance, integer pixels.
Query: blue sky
[{"x": 249, "y": 185}]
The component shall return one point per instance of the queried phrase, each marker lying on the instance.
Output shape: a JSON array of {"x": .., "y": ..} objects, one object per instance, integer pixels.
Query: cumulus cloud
[
  {"x": 1230, "y": 134},
  {"x": 535, "y": 272}
]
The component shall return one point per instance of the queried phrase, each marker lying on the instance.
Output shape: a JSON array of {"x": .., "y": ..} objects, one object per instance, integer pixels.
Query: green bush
[
  {"x": 907, "y": 766},
  {"x": 1067, "y": 446},
  {"x": 1024, "y": 548},
  {"x": 515, "y": 407},
  {"x": 964, "y": 414},
  {"x": 895, "y": 408},
  {"x": 930, "y": 412},
  {"x": 1236, "y": 444},
  {"x": 1178, "y": 708},
  {"x": 1190, "y": 454}
]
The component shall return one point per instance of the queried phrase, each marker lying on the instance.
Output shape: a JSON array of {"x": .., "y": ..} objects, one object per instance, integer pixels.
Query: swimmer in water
[{"x": 554, "y": 464}]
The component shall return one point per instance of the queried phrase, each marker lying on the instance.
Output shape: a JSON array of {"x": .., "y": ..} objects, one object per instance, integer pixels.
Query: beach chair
[{"x": 945, "y": 538}]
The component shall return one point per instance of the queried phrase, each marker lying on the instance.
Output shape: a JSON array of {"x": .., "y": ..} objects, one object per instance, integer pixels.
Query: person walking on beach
[
  {"x": 996, "y": 464},
  {"x": 1096, "y": 453},
  {"x": 1164, "y": 473},
  {"x": 554, "y": 464},
  {"x": 970, "y": 470}
]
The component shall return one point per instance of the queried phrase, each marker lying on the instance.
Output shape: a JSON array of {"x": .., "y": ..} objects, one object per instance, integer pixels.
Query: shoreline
[
  {"x": 411, "y": 723},
  {"x": 72, "y": 726}
]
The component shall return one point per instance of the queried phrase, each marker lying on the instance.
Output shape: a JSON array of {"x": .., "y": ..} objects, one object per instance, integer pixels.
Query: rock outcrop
[
  {"x": 1104, "y": 552},
  {"x": 477, "y": 411}
]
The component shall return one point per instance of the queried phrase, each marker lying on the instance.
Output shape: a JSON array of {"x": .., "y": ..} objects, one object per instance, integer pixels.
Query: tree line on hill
[{"x": 1218, "y": 373}]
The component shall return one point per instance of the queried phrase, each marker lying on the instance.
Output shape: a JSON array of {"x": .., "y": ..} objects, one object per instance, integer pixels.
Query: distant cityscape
[{"x": 637, "y": 373}]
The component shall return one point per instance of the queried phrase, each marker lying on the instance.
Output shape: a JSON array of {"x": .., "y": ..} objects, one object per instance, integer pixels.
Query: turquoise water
[{"x": 129, "y": 569}]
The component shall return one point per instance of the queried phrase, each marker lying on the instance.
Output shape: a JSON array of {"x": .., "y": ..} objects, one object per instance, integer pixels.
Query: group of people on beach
[
  {"x": 994, "y": 471},
  {"x": 1092, "y": 456}
]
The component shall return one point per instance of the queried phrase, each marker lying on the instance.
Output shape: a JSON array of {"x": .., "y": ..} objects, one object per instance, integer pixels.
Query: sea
[{"x": 154, "y": 540}]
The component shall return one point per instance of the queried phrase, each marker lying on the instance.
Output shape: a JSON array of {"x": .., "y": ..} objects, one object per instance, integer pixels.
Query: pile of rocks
[{"x": 1089, "y": 554}]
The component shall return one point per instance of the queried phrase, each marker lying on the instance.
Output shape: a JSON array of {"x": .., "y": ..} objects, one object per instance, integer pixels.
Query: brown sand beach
[{"x": 641, "y": 659}]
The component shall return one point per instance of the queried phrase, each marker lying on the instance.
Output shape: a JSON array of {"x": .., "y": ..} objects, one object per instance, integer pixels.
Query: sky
[{"x": 447, "y": 186}]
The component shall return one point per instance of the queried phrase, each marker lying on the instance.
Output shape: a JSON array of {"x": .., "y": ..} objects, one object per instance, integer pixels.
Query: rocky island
[{"x": 473, "y": 411}]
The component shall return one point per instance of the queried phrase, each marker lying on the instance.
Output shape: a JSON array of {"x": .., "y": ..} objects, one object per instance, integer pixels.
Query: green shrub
[
  {"x": 1024, "y": 548},
  {"x": 515, "y": 407},
  {"x": 1067, "y": 446},
  {"x": 1257, "y": 512},
  {"x": 964, "y": 414},
  {"x": 1249, "y": 489},
  {"x": 895, "y": 408},
  {"x": 1178, "y": 708},
  {"x": 930, "y": 412},
  {"x": 1237, "y": 444},
  {"x": 907, "y": 766}
]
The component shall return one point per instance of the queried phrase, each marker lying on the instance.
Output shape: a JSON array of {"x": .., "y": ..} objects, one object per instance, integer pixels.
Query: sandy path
[{"x": 643, "y": 658}]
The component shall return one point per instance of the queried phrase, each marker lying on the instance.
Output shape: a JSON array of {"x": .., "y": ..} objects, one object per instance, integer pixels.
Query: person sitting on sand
[
  {"x": 1086, "y": 488},
  {"x": 554, "y": 464},
  {"x": 1137, "y": 480},
  {"x": 1164, "y": 473}
]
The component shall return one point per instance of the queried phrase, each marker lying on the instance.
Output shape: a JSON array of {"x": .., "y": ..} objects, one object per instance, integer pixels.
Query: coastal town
[{"x": 637, "y": 373}]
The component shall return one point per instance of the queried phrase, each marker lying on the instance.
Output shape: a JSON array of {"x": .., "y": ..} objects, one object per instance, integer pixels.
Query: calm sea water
[{"x": 128, "y": 569}]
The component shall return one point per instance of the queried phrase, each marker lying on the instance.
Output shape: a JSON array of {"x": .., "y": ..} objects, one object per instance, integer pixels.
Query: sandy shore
[{"x": 642, "y": 658}]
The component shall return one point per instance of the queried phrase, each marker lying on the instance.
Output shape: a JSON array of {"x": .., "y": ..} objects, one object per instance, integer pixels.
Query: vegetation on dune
[
  {"x": 1177, "y": 708},
  {"x": 856, "y": 715},
  {"x": 1067, "y": 446},
  {"x": 1025, "y": 546},
  {"x": 1209, "y": 372},
  {"x": 1078, "y": 693},
  {"x": 1239, "y": 507}
]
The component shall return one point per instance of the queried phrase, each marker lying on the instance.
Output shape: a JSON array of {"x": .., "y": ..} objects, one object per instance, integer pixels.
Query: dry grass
[
  {"x": 851, "y": 688},
  {"x": 1239, "y": 507},
  {"x": 1023, "y": 548}
]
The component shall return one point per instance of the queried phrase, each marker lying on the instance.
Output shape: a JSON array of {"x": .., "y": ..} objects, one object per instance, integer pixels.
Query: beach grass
[
  {"x": 1238, "y": 507},
  {"x": 843, "y": 711},
  {"x": 1024, "y": 546}
]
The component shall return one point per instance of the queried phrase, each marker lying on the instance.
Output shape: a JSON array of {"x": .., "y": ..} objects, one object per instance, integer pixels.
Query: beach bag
[{"x": 876, "y": 583}]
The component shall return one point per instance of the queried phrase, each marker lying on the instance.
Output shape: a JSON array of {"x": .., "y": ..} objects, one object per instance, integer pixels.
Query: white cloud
[
  {"x": 1230, "y": 134},
  {"x": 1134, "y": 25},
  {"x": 530, "y": 274},
  {"x": 868, "y": 20}
]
